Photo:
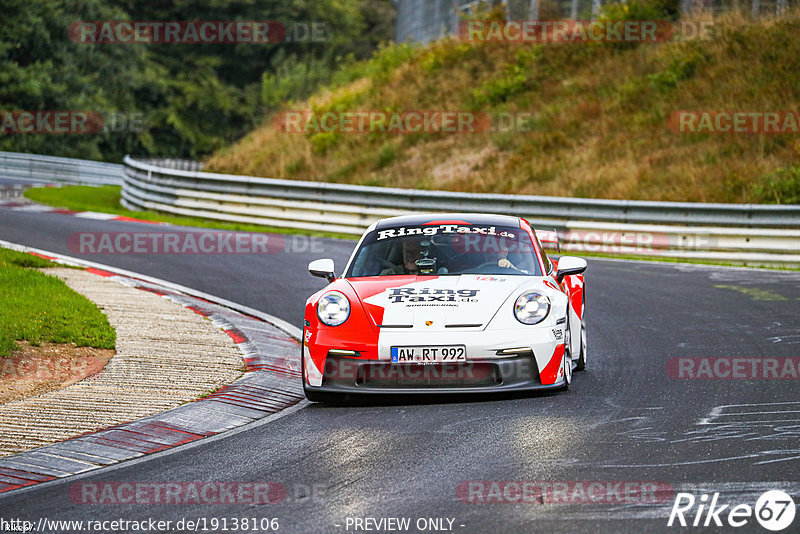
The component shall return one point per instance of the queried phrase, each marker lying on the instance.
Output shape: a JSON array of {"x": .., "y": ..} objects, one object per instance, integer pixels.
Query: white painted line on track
[{"x": 96, "y": 215}]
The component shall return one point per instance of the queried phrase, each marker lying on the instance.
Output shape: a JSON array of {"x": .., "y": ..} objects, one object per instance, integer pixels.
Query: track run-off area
[{"x": 689, "y": 388}]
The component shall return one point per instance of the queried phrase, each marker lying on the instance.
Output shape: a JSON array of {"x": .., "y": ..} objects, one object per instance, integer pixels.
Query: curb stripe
[
  {"x": 257, "y": 395},
  {"x": 237, "y": 335},
  {"x": 98, "y": 272}
]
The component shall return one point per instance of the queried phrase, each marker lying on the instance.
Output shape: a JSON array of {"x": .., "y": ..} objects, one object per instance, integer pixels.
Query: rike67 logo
[{"x": 774, "y": 510}]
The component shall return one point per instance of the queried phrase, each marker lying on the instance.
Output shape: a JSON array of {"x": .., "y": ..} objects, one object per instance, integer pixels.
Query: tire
[
  {"x": 322, "y": 397},
  {"x": 567, "y": 363},
  {"x": 581, "y": 363}
]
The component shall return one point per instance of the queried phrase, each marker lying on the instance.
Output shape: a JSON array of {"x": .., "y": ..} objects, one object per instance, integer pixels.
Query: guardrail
[
  {"x": 49, "y": 169},
  {"x": 736, "y": 233}
]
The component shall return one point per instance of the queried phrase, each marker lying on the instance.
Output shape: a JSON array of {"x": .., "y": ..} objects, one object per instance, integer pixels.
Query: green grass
[
  {"x": 39, "y": 308},
  {"x": 105, "y": 199},
  {"x": 22, "y": 259},
  {"x": 597, "y": 116}
]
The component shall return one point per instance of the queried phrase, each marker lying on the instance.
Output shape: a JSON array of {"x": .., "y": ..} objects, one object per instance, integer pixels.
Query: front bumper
[
  {"x": 486, "y": 368},
  {"x": 513, "y": 373}
]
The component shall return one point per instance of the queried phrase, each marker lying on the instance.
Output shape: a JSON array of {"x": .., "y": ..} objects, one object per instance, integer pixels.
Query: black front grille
[{"x": 389, "y": 375}]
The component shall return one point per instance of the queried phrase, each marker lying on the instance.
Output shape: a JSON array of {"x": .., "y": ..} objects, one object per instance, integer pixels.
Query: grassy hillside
[{"x": 599, "y": 119}]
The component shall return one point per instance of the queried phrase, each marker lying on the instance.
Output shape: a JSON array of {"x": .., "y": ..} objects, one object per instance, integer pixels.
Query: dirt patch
[{"x": 33, "y": 370}]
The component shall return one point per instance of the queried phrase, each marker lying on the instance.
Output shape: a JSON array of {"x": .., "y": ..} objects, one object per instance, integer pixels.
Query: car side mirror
[
  {"x": 569, "y": 265},
  {"x": 322, "y": 268}
]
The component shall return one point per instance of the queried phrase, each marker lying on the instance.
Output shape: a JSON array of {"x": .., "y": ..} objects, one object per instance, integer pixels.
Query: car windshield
[{"x": 445, "y": 249}]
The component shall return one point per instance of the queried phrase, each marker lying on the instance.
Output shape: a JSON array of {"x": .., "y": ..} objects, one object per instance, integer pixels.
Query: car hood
[{"x": 435, "y": 302}]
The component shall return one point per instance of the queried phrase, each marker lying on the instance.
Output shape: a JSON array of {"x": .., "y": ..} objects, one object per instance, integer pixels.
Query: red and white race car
[{"x": 445, "y": 303}]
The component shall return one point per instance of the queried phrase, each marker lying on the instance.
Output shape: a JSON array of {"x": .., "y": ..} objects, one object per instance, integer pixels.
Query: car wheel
[
  {"x": 581, "y": 363},
  {"x": 567, "y": 355},
  {"x": 320, "y": 396}
]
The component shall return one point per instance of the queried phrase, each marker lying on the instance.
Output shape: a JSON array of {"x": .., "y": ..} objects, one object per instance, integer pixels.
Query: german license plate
[{"x": 427, "y": 354}]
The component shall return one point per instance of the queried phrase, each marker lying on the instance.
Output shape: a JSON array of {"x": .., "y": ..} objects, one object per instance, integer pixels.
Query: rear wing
[{"x": 549, "y": 239}]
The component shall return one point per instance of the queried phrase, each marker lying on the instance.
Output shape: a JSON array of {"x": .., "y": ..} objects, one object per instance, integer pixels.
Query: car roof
[{"x": 448, "y": 218}]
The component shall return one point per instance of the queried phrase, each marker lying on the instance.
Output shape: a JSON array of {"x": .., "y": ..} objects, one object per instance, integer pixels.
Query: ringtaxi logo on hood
[
  {"x": 404, "y": 231},
  {"x": 427, "y": 294}
]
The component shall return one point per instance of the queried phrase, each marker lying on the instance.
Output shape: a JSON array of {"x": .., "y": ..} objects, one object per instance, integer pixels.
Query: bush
[
  {"x": 386, "y": 155},
  {"x": 641, "y": 10},
  {"x": 323, "y": 141},
  {"x": 652, "y": 10},
  {"x": 679, "y": 69},
  {"x": 781, "y": 186}
]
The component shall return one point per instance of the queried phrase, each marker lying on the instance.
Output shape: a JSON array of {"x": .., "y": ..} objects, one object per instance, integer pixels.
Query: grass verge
[
  {"x": 105, "y": 199},
  {"x": 39, "y": 308}
]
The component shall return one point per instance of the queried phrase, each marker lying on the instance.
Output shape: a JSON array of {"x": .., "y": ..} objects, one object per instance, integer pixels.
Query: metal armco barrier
[
  {"x": 749, "y": 234},
  {"x": 738, "y": 233},
  {"x": 49, "y": 169}
]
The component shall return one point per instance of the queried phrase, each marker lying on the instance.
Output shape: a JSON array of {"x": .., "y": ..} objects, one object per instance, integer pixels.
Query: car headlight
[
  {"x": 531, "y": 307},
  {"x": 333, "y": 308}
]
